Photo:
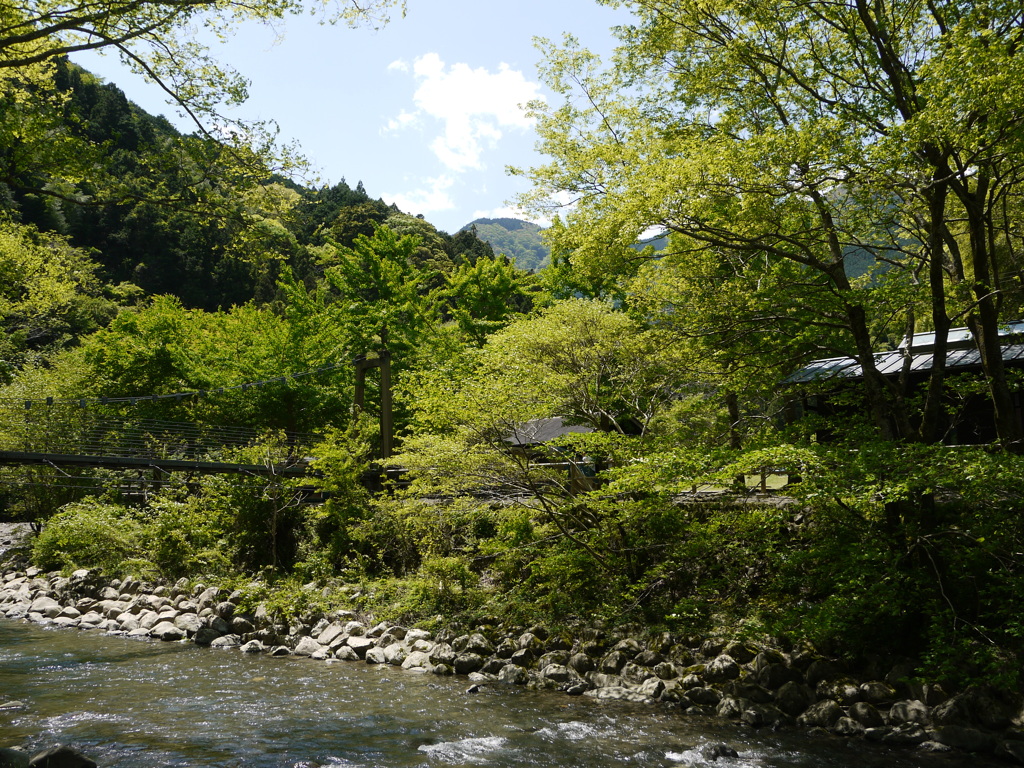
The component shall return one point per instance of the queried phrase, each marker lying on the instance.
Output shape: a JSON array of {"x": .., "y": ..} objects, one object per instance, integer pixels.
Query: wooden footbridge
[{"x": 71, "y": 434}]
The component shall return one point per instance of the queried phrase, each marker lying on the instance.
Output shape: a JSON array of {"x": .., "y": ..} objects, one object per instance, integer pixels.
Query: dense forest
[
  {"x": 520, "y": 240},
  {"x": 831, "y": 178}
]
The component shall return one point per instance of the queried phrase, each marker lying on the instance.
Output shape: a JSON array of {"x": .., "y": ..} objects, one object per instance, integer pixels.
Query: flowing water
[{"x": 135, "y": 703}]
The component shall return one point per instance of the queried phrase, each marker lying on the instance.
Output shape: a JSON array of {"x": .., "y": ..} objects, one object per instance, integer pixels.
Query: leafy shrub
[
  {"x": 89, "y": 534},
  {"x": 190, "y": 536}
]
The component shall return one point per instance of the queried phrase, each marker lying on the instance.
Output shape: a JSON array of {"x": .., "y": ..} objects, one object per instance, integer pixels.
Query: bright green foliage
[
  {"x": 484, "y": 295},
  {"x": 342, "y": 465},
  {"x": 790, "y": 146},
  {"x": 380, "y": 291},
  {"x": 190, "y": 534},
  {"x": 165, "y": 349},
  {"x": 429, "y": 256},
  {"x": 49, "y": 293},
  {"x": 584, "y": 360},
  {"x": 90, "y": 534}
]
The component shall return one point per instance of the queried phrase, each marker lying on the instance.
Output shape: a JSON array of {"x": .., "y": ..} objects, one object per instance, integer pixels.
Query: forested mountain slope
[
  {"x": 174, "y": 214},
  {"x": 520, "y": 240}
]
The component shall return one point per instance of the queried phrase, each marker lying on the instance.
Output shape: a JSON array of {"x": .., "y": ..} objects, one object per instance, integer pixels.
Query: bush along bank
[{"x": 755, "y": 684}]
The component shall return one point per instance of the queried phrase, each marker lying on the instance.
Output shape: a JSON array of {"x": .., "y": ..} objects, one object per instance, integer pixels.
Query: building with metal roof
[
  {"x": 961, "y": 353},
  {"x": 970, "y": 416}
]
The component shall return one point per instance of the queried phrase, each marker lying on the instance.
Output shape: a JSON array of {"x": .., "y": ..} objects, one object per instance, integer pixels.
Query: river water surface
[{"x": 135, "y": 703}]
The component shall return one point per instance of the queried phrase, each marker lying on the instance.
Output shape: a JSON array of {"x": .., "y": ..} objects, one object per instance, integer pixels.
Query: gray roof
[
  {"x": 961, "y": 354},
  {"x": 539, "y": 431},
  {"x": 957, "y": 338}
]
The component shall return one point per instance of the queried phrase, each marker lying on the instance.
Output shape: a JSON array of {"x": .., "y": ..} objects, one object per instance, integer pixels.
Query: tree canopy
[{"x": 811, "y": 133}]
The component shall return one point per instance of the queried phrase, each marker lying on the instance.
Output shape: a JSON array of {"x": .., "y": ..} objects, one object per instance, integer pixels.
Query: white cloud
[
  {"x": 475, "y": 107},
  {"x": 404, "y": 120},
  {"x": 431, "y": 197}
]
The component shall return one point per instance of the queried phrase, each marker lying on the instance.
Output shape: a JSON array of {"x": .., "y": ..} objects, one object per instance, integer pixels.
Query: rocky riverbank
[{"x": 757, "y": 685}]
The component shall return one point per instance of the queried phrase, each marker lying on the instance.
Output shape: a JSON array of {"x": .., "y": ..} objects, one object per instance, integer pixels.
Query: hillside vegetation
[
  {"x": 139, "y": 261},
  {"x": 519, "y": 240}
]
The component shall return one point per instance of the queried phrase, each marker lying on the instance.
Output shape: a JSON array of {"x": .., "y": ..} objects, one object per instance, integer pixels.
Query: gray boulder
[
  {"x": 908, "y": 712},
  {"x": 165, "y": 630},
  {"x": 556, "y": 672},
  {"x": 742, "y": 689},
  {"x": 740, "y": 652},
  {"x": 703, "y": 697},
  {"x": 189, "y": 623},
  {"x": 331, "y": 633},
  {"x": 417, "y": 660},
  {"x": 619, "y": 694},
  {"x": 906, "y": 735},
  {"x": 46, "y": 606},
  {"x": 513, "y": 675},
  {"x": 847, "y": 726},
  {"x": 794, "y": 698},
  {"x": 581, "y": 663},
  {"x": 414, "y": 635},
  {"x": 866, "y": 715},
  {"x": 731, "y": 707},
  {"x": 466, "y": 663},
  {"x": 775, "y": 675},
  {"x": 479, "y": 645},
  {"x": 722, "y": 668},
  {"x": 307, "y": 646},
  {"x": 629, "y": 647},
  {"x": 822, "y": 714},
  {"x": 13, "y": 758},
  {"x": 396, "y": 653},
  {"x": 205, "y": 636},
  {"x": 761, "y": 715},
  {"x": 613, "y": 663},
  {"x": 877, "y": 692},
  {"x": 442, "y": 653},
  {"x": 634, "y": 673},
  {"x": 967, "y": 739},
  {"x": 360, "y": 644},
  {"x": 653, "y": 687},
  {"x": 980, "y": 705},
  {"x": 61, "y": 757}
]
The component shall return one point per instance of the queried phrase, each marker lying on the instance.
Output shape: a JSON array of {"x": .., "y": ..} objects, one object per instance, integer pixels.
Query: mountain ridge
[{"x": 520, "y": 240}]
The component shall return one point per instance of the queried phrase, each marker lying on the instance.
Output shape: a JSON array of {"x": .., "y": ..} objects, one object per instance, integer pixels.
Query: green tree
[
  {"x": 483, "y": 296},
  {"x": 813, "y": 133},
  {"x": 50, "y": 294}
]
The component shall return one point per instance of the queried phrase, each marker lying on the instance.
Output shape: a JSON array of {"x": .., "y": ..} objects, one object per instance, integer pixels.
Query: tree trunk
[
  {"x": 933, "y": 416},
  {"x": 984, "y": 321}
]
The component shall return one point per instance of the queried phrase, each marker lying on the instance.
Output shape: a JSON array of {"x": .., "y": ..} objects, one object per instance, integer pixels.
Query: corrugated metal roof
[
  {"x": 539, "y": 431},
  {"x": 958, "y": 338},
  {"x": 890, "y": 364}
]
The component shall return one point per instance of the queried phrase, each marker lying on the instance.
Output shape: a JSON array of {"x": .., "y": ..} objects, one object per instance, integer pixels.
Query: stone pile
[{"x": 756, "y": 685}]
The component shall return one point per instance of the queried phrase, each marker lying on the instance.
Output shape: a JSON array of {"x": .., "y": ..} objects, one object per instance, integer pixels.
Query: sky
[{"x": 426, "y": 112}]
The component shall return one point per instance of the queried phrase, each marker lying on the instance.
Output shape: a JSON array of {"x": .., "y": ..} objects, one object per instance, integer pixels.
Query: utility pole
[{"x": 382, "y": 361}]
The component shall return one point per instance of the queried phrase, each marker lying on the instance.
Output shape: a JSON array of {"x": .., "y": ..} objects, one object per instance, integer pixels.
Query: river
[{"x": 143, "y": 703}]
